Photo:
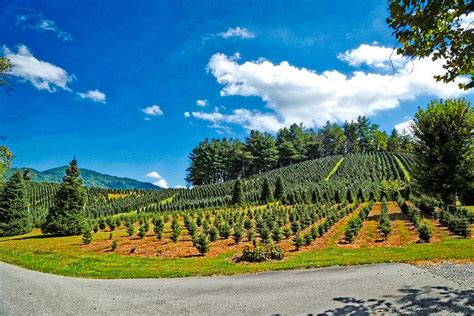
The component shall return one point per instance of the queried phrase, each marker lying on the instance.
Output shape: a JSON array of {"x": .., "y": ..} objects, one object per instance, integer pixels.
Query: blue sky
[{"x": 129, "y": 87}]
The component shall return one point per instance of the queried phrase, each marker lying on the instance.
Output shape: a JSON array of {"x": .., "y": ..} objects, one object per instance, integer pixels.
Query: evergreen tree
[
  {"x": 279, "y": 191},
  {"x": 237, "y": 195},
  {"x": 15, "y": 218},
  {"x": 266, "y": 194},
  {"x": 202, "y": 244},
  {"x": 66, "y": 217},
  {"x": 175, "y": 229},
  {"x": 86, "y": 234}
]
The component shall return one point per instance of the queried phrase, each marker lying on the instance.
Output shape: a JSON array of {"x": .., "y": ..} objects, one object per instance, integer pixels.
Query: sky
[{"x": 130, "y": 87}]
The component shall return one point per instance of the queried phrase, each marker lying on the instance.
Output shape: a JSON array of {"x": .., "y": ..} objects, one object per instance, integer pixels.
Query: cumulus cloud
[
  {"x": 187, "y": 114},
  {"x": 246, "y": 118},
  {"x": 237, "y": 32},
  {"x": 404, "y": 128},
  {"x": 201, "y": 103},
  {"x": 153, "y": 110},
  {"x": 93, "y": 95},
  {"x": 179, "y": 186},
  {"x": 153, "y": 175},
  {"x": 297, "y": 95},
  {"x": 36, "y": 21},
  {"x": 373, "y": 56},
  {"x": 41, "y": 74},
  {"x": 162, "y": 183}
]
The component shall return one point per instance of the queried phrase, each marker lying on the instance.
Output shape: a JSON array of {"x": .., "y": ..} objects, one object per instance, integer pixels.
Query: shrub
[
  {"x": 277, "y": 234},
  {"x": 224, "y": 230},
  {"x": 259, "y": 252},
  {"x": 86, "y": 234},
  {"x": 130, "y": 229},
  {"x": 213, "y": 233},
  {"x": 142, "y": 231},
  {"x": 114, "y": 245},
  {"x": 111, "y": 223},
  {"x": 425, "y": 231},
  {"x": 298, "y": 241},
  {"x": 238, "y": 233},
  {"x": 158, "y": 227},
  {"x": 202, "y": 244},
  {"x": 287, "y": 232},
  {"x": 102, "y": 223}
]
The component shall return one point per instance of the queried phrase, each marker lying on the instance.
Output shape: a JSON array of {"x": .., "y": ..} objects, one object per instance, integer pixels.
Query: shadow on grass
[
  {"x": 422, "y": 301},
  {"x": 28, "y": 237}
]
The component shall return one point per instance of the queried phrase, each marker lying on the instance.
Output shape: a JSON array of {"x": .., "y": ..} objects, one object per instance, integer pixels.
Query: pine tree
[
  {"x": 175, "y": 229},
  {"x": 279, "y": 191},
  {"x": 202, "y": 244},
  {"x": 158, "y": 227},
  {"x": 237, "y": 195},
  {"x": 86, "y": 234},
  {"x": 14, "y": 216},
  {"x": 66, "y": 217},
  {"x": 265, "y": 195}
]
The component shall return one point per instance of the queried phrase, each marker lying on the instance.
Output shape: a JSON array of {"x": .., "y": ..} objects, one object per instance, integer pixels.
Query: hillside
[{"x": 91, "y": 179}]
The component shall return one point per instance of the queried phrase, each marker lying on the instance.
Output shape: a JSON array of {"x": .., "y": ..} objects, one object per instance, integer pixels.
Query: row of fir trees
[{"x": 65, "y": 217}]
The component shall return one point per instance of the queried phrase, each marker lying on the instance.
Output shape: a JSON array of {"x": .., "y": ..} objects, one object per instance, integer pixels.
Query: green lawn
[{"x": 65, "y": 256}]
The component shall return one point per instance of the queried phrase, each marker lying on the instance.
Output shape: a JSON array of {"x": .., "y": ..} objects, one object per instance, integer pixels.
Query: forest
[{"x": 219, "y": 160}]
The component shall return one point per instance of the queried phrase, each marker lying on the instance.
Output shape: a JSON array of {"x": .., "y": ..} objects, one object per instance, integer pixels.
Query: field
[
  {"x": 331, "y": 211},
  {"x": 163, "y": 258}
]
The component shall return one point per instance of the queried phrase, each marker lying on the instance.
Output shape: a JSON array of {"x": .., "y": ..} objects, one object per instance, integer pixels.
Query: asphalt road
[{"x": 384, "y": 288}]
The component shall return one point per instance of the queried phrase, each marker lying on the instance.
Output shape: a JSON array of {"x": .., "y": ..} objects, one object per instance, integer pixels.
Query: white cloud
[
  {"x": 94, "y": 95},
  {"x": 161, "y": 183},
  {"x": 302, "y": 95},
  {"x": 41, "y": 74},
  {"x": 179, "y": 186},
  {"x": 36, "y": 21},
  {"x": 186, "y": 114},
  {"x": 246, "y": 118},
  {"x": 237, "y": 32},
  {"x": 153, "y": 110},
  {"x": 153, "y": 175},
  {"x": 404, "y": 128},
  {"x": 201, "y": 103},
  {"x": 373, "y": 56}
]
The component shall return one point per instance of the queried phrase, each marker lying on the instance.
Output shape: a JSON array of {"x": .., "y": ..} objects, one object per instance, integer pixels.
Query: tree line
[{"x": 219, "y": 160}]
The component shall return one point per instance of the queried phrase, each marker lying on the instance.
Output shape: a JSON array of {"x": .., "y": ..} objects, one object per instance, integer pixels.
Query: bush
[
  {"x": 213, "y": 233},
  {"x": 114, "y": 245},
  {"x": 86, "y": 234},
  {"x": 425, "y": 231},
  {"x": 298, "y": 241},
  {"x": 202, "y": 244},
  {"x": 142, "y": 231},
  {"x": 130, "y": 229},
  {"x": 259, "y": 252}
]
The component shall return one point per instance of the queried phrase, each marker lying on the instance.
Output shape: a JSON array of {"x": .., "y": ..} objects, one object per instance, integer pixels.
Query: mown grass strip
[
  {"x": 405, "y": 171},
  {"x": 336, "y": 166}
]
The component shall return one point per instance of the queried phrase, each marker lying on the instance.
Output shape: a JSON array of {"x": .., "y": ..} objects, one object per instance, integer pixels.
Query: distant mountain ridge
[{"x": 91, "y": 178}]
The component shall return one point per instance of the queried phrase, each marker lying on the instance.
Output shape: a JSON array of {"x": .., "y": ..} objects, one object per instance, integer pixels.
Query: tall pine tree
[
  {"x": 15, "y": 218},
  {"x": 266, "y": 194},
  {"x": 67, "y": 216},
  {"x": 237, "y": 195},
  {"x": 279, "y": 191}
]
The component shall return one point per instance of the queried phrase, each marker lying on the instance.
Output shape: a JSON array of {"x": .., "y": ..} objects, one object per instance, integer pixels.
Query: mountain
[{"x": 91, "y": 178}]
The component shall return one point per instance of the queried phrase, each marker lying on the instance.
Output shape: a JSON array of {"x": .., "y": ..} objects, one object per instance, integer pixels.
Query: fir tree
[
  {"x": 237, "y": 195},
  {"x": 265, "y": 195},
  {"x": 175, "y": 229},
  {"x": 66, "y": 217},
  {"x": 14, "y": 216},
  {"x": 279, "y": 191},
  {"x": 202, "y": 244}
]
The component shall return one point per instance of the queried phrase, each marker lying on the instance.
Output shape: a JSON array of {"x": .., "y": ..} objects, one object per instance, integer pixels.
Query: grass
[
  {"x": 336, "y": 166},
  {"x": 65, "y": 256},
  {"x": 404, "y": 169}
]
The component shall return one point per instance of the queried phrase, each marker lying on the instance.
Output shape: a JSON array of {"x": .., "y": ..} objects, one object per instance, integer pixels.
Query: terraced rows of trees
[{"x": 220, "y": 160}]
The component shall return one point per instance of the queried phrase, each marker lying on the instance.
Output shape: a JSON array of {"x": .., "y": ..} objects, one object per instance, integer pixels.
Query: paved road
[{"x": 392, "y": 288}]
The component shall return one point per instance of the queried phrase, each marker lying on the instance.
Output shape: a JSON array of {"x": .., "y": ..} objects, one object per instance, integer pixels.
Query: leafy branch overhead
[{"x": 439, "y": 29}]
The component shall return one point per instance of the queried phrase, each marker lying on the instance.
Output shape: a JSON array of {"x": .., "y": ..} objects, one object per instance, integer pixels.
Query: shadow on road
[{"x": 424, "y": 301}]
